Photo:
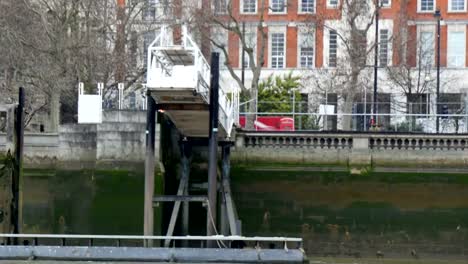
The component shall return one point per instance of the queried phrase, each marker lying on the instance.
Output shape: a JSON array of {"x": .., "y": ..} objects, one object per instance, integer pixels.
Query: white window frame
[
  {"x": 248, "y": 13},
  {"x": 150, "y": 5},
  {"x": 389, "y": 60},
  {"x": 388, "y": 5},
  {"x": 253, "y": 31},
  {"x": 458, "y": 29},
  {"x": 426, "y": 11},
  {"x": 450, "y": 8},
  {"x": 426, "y": 28},
  {"x": 326, "y": 49},
  {"x": 271, "y": 31},
  {"x": 330, "y": 5},
  {"x": 302, "y": 31},
  {"x": 223, "y": 12},
  {"x": 300, "y": 11},
  {"x": 272, "y": 12}
]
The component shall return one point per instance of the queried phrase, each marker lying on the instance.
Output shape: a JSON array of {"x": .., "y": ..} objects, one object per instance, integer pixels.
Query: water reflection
[{"x": 83, "y": 202}]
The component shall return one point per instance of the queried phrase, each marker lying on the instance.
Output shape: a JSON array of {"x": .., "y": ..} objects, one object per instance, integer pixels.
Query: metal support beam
[
  {"x": 376, "y": 65},
  {"x": 185, "y": 162},
  {"x": 230, "y": 208},
  {"x": 226, "y": 167},
  {"x": 212, "y": 149},
  {"x": 148, "y": 225},
  {"x": 181, "y": 198},
  {"x": 175, "y": 210},
  {"x": 231, "y": 213},
  {"x": 437, "y": 15}
]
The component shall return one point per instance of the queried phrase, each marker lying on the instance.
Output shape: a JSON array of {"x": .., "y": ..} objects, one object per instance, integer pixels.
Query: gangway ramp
[{"x": 178, "y": 78}]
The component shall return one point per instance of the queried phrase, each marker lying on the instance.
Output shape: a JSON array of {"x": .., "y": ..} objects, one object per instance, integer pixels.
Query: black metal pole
[
  {"x": 243, "y": 55},
  {"x": 17, "y": 174},
  {"x": 213, "y": 144},
  {"x": 376, "y": 64},
  {"x": 437, "y": 15},
  {"x": 148, "y": 224}
]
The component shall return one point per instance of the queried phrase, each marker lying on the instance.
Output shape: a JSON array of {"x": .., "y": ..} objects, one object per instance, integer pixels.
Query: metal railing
[
  {"x": 391, "y": 116},
  {"x": 65, "y": 240},
  {"x": 195, "y": 74},
  {"x": 118, "y": 98}
]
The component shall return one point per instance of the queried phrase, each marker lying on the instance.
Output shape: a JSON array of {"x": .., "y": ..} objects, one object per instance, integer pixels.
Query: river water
[{"x": 338, "y": 215}]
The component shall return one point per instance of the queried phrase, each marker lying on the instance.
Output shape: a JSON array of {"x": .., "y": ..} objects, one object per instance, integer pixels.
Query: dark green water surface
[
  {"x": 83, "y": 202},
  {"x": 337, "y": 214}
]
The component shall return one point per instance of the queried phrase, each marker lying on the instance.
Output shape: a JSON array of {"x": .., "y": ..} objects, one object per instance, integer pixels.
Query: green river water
[{"x": 338, "y": 215}]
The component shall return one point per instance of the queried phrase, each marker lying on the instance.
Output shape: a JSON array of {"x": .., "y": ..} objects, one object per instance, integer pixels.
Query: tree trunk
[
  {"x": 252, "y": 113},
  {"x": 349, "y": 99},
  {"x": 347, "y": 109}
]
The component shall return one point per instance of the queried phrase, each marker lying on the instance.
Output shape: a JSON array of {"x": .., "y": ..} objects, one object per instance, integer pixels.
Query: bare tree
[
  {"x": 350, "y": 71},
  {"x": 412, "y": 77},
  {"x": 229, "y": 23},
  {"x": 49, "y": 46}
]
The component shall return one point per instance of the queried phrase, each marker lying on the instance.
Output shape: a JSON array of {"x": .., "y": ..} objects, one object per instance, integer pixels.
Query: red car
[{"x": 271, "y": 123}]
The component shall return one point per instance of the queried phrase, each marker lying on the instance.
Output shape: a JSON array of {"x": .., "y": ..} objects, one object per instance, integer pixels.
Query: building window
[
  {"x": 307, "y": 6},
  {"x": 149, "y": 11},
  {"x": 220, "y": 7},
  {"x": 451, "y": 103},
  {"x": 332, "y": 3},
  {"x": 250, "y": 39},
  {"x": 360, "y": 40},
  {"x": 278, "y": 6},
  {"x": 426, "y": 5},
  {"x": 385, "y": 3},
  {"x": 426, "y": 49},
  {"x": 457, "y": 5},
  {"x": 249, "y": 6},
  {"x": 277, "y": 50},
  {"x": 332, "y": 48},
  {"x": 417, "y": 103},
  {"x": 456, "y": 49},
  {"x": 383, "y": 48},
  {"x": 306, "y": 50}
]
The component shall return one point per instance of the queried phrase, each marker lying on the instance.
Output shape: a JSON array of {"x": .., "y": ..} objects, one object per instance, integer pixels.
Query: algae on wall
[
  {"x": 7, "y": 166},
  {"x": 83, "y": 201},
  {"x": 338, "y": 213}
]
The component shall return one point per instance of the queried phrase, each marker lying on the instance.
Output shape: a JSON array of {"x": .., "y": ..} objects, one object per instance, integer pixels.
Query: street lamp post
[
  {"x": 376, "y": 48},
  {"x": 437, "y": 16}
]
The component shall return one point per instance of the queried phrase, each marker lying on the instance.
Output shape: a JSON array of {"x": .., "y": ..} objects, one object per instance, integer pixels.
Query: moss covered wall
[{"x": 339, "y": 213}]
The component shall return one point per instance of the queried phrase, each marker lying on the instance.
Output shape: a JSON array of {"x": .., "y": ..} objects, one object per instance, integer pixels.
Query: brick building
[{"x": 309, "y": 37}]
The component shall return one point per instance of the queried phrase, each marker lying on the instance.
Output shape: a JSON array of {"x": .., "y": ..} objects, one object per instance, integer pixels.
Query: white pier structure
[{"x": 178, "y": 78}]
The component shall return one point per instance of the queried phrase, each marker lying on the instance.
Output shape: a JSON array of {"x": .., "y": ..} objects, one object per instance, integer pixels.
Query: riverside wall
[
  {"x": 118, "y": 142},
  {"x": 354, "y": 150}
]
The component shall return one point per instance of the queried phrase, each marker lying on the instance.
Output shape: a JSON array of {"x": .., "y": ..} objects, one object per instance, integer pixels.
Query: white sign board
[
  {"x": 326, "y": 109},
  {"x": 89, "y": 109}
]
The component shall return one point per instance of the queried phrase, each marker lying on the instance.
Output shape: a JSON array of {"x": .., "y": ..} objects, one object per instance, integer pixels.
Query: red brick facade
[{"x": 403, "y": 13}]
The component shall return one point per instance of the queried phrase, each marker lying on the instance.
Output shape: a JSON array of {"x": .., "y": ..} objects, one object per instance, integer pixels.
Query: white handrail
[
  {"x": 136, "y": 237},
  {"x": 201, "y": 76}
]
